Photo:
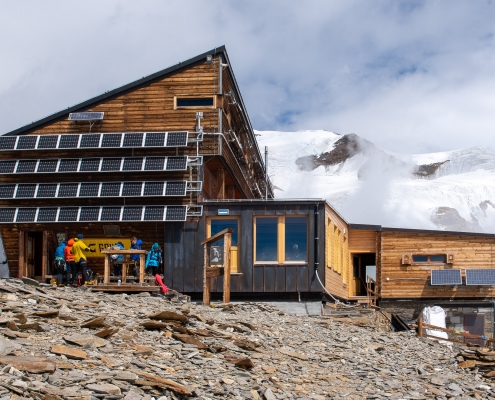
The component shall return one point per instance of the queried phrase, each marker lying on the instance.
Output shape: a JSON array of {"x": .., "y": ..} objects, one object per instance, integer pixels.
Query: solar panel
[
  {"x": 47, "y": 166},
  {"x": 176, "y": 213},
  {"x": 132, "y": 164},
  {"x": 110, "y": 189},
  {"x": 89, "y": 214},
  {"x": 480, "y": 276},
  {"x": 68, "y": 190},
  {"x": 154, "y": 163},
  {"x": 89, "y": 140},
  {"x": 110, "y": 214},
  {"x": 68, "y": 165},
  {"x": 89, "y": 164},
  {"x": 46, "y": 190},
  {"x": 111, "y": 164},
  {"x": 68, "y": 214},
  {"x": 26, "y": 142},
  {"x": 26, "y": 166},
  {"x": 7, "y": 191},
  {"x": 153, "y": 213},
  {"x": 47, "y": 214},
  {"x": 86, "y": 116},
  {"x": 7, "y": 167},
  {"x": 47, "y": 142},
  {"x": 155, "y": 139},
  {"x": 133, "y": 140},
  {"x": 111, "y": 140},
  {"x": 177, "y": 139},
  {"x": 132, "y": 214},
  {"x": 7, "y": 214},
  {"x": 446, "y": 277},
  {"x": 25, "y": 191},
  {"x": 132, "y": 189},
  {"x": 89, "y": 189},
  {"x": 25, "y": 215},
  {"x": 176, "y": 163},
  {"x": 175, "y": 188},
  {"x": 68, "y": 142},
  {"x": 7, "y": 142},
  {"x": 153, "y": 189}
]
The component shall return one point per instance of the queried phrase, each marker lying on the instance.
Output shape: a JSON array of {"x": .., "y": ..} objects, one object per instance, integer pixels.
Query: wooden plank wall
[
  {"x": 337, "y": 265},
  {"x": 413, "y": 281},
  {"x": 361, "y": 241}
]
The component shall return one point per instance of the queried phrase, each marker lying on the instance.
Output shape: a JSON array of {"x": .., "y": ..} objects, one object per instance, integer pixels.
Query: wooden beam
[
  {"x": 221, "y": 184},
  {"x": 231, "y": 192},
  {"x": 217, "y": 236},
  {"x": 106, "y": 273},
  {"x": 226, "y": 264},
  {"x": 22, "y": 252},
  {"x": 44, "y": 259},
  {"x": 206, "y": 279}
]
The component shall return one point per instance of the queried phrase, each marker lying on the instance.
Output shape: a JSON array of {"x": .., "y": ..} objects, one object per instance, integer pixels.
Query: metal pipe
[{"x": 266, "y": 172}]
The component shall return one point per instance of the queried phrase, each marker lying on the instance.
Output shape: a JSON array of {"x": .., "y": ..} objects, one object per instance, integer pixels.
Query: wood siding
[
  {"x": 413, "y": 281},
  {"x": 337, "y": 262},
  {"x": 362, "y": 241}
]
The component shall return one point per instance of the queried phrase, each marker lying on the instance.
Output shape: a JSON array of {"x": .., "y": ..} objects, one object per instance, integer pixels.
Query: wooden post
[
  {"x": 22, "y": 252},
  {"x": 226, "y": 264},
  {"x": 124, "y": 269},
  {"x": 230, "y": 192},
  {"x": 221, "y": 184},
  {"x": 44, "y": 259},
  {"x": 206, "y": 279},
  {"x": 420, "y": 327},
  {"x": 142, "y": 262},
  {"x": 106, "y": 273}
]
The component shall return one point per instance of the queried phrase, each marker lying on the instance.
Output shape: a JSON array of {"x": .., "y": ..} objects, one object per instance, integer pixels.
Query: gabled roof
[{"x": 130, "y": 87}]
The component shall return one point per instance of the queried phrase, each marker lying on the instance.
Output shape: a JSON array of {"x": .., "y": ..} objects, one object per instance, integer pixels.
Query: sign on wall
[
  {"x": 216, "y": 255},
  {"x": 99, "y": 244}
]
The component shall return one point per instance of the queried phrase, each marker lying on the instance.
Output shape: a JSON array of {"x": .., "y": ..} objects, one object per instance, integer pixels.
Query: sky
[{"x": 410, "y": 76}]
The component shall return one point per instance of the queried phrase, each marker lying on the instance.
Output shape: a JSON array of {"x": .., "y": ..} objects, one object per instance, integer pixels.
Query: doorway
[
  {"x": 363, "y": 265},
  {"x": 474, "y": 324},
  {"x": 34, "y": 255}
]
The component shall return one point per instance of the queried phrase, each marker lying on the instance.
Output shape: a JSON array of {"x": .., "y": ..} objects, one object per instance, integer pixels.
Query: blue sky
[{"x": 410, "y": 76}]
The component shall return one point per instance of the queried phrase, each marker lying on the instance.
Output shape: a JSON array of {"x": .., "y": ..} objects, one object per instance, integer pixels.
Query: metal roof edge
[
  {"x": 365, "y": 227},
  {"x": 115, "y": 92}
]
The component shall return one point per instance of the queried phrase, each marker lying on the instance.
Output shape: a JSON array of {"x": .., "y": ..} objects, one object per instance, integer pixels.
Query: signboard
[
  {"x": 223, "y": 211},
  {"x": 99, "y": 244},
  {"x": 216, "y": 255}
]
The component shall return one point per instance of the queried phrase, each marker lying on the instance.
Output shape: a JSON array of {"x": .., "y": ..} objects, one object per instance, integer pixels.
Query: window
[
  {"x": 437, "y": 258},
  {"x": 280, "y": 239},
  {"x": 218, "y": 224},
  {"x": 194, "y": 102}
]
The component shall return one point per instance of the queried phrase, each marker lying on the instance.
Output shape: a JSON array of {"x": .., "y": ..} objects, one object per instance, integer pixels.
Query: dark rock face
[
  {"x": 427, "y": 170},
  {"x": 448, "y": 218}
]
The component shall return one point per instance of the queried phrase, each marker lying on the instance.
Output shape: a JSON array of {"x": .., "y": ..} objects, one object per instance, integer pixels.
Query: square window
[
  {"x": 266, "y": 239},
  {"x": 218, "y": 225},
  {"x": 295, "y": 239}
]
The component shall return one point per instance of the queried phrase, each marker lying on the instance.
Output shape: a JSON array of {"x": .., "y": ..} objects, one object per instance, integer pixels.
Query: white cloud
[{"x": 410, "y": 76}]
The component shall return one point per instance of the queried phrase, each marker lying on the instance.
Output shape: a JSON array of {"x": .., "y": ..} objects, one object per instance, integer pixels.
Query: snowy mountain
[{"x": 452, "y": 190}]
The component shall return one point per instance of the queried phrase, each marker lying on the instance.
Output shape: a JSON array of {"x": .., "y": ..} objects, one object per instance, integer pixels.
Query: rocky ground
[{"x": 73, "y": 343}]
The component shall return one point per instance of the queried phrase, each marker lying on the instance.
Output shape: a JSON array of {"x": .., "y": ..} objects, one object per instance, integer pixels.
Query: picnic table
[{"x": 142, "y": 261}]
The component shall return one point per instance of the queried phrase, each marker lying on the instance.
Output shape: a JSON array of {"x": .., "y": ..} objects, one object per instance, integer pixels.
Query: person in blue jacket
[
  {"x": 59, "y": 262},
  {"x": 117, "y": 268},
  {"x": 136, "y": 244},
  {"x": 154, "y": 259}
]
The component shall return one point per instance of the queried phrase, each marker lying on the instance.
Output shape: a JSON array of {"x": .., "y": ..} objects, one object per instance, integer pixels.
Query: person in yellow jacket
[{"x": 78, "y": 249}]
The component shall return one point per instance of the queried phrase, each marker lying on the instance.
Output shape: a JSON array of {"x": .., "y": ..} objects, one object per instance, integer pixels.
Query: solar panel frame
[
  {"x": 450, "y": 277},
  {"x": 132, "y": 189},
  {"x": 134, "y": 139},
  {"x": 154, "y": 139},
  {"x": 67, "y": 190},
  {"x": 70, "y": 141},
  {"x": 48, "y": 142},
  {"x": 153, "y": 213},
  {"x": 111, "y": 164},
  {"x": 86, "y": 116},
  {"x": 7, "y": 214},
  {"x": 68, "y": 214},
  {"x": 110, "y": 213},
  {"x": 90, "y": 140},
  {"x": 46, "y": 190},
  {"x": 27, "y": 142},
  {"x": 110, "y": 189},
  {"x": 480, "y": 277},
  {"x": 89, "y": 189},
  {"x": 132, "y": 213},
  {"x": 175, "y": 188},
  {"x": 178, "y": 163},
  {"x": 90, "y": 165},
  {"x": 7, "y": 166},
  {"x": 176, "y": 213},
  {"x": 68, "y": 165},
  {"x": 176, "y": 139},
  {"x": 154, "y": 188},
  {"x": 25, "y": 191},
  {"x": 8, "y": 142},
  {"x": 132, "y": 164},
  {"x": 26, "y": 166},
  {"x": 88, "y": 214},
  {"x": 49, "y": 165},
  {"x": 155, "y": 163},
  {"x": 7, "y": 191},
  {"x": 26, "y": 214},
  {"x": 47, "y": 214},
  {"x": 111, "y": 140}
]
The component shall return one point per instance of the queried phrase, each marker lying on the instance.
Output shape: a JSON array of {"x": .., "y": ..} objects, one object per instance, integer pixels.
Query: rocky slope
[
  {"x": 450, "y": 190},
  {"x": 71, "y": 343}
]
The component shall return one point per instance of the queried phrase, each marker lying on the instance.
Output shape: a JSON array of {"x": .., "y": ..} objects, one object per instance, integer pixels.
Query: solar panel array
[
  {"x": 114, "y": 164},
  {"x": 95, "y": 214},
  {"x": 86, "y": 116},
  {"x": 97, "y": 189},
  {"x": 480, "y": 276},
  {"x": 446, "y": 277},
  {"x": 97, "y": 140}
]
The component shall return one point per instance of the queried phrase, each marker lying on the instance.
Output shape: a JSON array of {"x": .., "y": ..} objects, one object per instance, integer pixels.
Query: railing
[
  {"x": 210, "y": 272},
  {"x": 370, "y": 291}
]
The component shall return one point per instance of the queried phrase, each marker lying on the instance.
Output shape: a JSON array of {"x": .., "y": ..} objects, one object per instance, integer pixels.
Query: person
[
  {"x": 60, "y": 262},
  {"x": 78, "y": 249},
  {"x": 136, "y": 244},
  {"x": 70, "y": 265},
  {"x": 154, "y": 259},
  {"x": 117, "y": 268}
]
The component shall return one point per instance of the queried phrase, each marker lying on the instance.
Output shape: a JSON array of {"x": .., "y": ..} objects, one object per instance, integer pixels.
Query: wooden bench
[{"x": 142, "y": 261}]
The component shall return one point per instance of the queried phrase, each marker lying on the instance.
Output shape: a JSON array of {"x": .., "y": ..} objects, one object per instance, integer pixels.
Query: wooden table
[{"x": 142, "y": 262}]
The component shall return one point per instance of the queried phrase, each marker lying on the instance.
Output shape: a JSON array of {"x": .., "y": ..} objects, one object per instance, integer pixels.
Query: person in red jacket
[{"x": 70, "y": 263}]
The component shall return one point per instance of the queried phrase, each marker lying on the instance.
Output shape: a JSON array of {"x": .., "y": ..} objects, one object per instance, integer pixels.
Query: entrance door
[
  {"x": 356, "y": 276},
  {"x": 218, "y": 224},
  {"x": 34, "y": 255},
  {"x": 475, "y": 324}
]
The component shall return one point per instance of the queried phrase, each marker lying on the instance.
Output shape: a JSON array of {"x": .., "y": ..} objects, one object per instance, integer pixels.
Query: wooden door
[
  {"x": 30, "y": 256},
  {"x": 356, "y": 276},
  {"x": 475, "y": 324}
]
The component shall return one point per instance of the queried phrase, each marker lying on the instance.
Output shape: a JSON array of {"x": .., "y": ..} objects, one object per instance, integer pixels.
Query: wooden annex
[{"x": 172, "y": 159}]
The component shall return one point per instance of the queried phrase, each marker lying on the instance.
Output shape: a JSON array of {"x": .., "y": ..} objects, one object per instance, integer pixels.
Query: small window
[
  {"x": 218, "y": 225},
  {"x": 281, "y": 239},
  {"x": 194, "y": 102},
  {"x": 440, "y": 258}
]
